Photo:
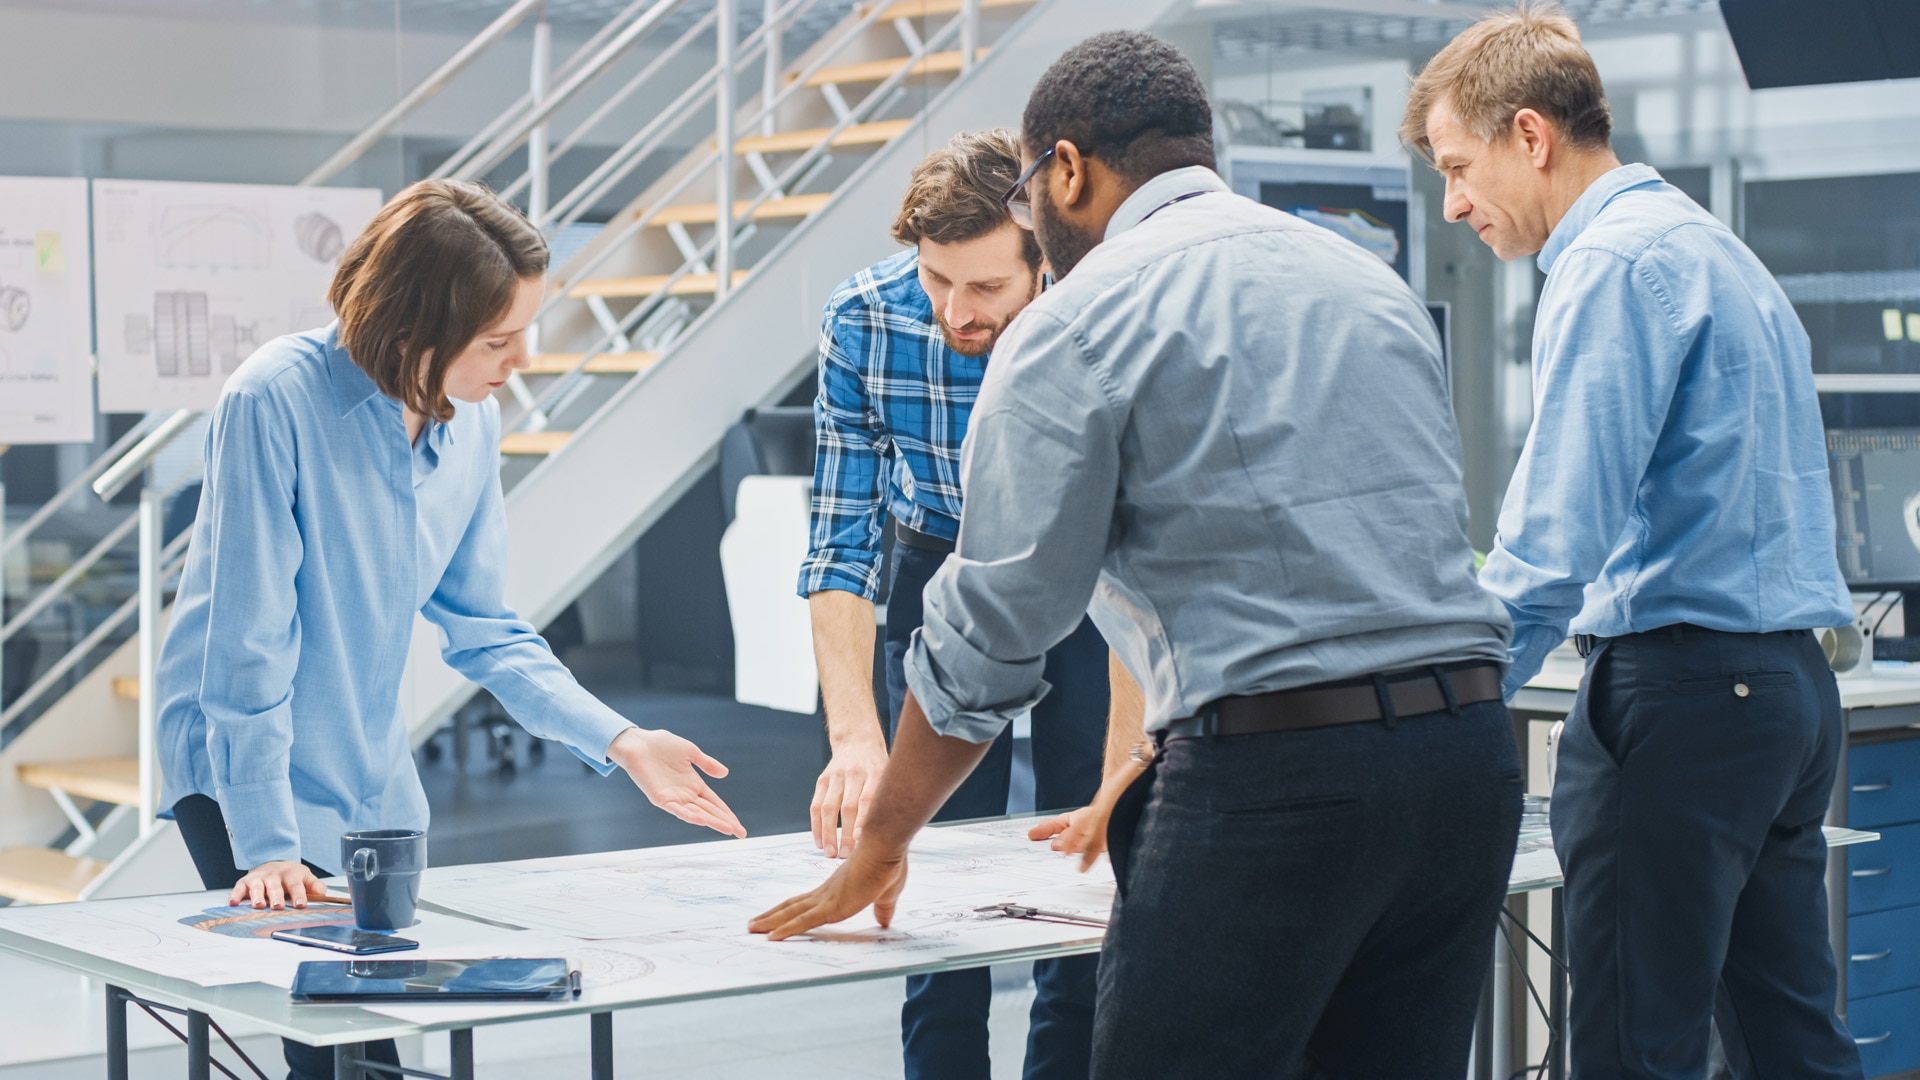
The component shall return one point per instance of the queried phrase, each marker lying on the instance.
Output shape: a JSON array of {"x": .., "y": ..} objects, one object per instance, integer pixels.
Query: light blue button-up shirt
[
  {"x": 320, "y": 532},
  {"x": 1676, "y": 470},
  {"x": 1228, "y": 430}
]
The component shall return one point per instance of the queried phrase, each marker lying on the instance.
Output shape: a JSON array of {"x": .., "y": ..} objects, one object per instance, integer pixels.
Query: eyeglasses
[{"x": 1019, "y": 205}]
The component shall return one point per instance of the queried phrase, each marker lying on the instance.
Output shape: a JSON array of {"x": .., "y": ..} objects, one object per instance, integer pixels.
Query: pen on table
[{"x": 573, "y": 978}]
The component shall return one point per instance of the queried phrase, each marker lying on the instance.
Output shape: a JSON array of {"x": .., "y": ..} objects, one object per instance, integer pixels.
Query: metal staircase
[{"x": 698, "y": 299}]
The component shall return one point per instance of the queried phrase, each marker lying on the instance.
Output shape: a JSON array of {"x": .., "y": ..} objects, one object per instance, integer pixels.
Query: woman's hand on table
[
  {"x": 277, "y": 885},
  {"x": 667, "y": 769}
]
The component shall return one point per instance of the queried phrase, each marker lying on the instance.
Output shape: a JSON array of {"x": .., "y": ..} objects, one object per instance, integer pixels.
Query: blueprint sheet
[
  {"x": 671, "y": 922},
  {"x": 719, "y": 886}
]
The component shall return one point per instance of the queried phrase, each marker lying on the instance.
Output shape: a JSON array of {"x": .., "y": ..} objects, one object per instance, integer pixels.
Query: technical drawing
[
  {"x": 318, "y": 236},
  {"x": 249, "y": 924},
  {"x": 15, "y": 306},
  {"x": 213, "y": 235},
  {"x": 185, "y": 339}
]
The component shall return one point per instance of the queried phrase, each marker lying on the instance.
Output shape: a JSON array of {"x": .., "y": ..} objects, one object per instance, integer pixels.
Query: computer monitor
[{"x": 1876, "y": 505}]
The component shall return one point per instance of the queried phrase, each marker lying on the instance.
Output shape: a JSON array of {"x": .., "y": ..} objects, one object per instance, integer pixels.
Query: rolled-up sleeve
[
  {"x": 253, "y": 647},
  {"x": 1039, "y": 470},
  {"x": 489, "y": 643},
  {"x": 1606, "y": 362}
]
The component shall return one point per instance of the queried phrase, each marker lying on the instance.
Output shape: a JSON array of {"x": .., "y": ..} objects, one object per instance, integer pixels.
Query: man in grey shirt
[{"x": 1228, "y": 431}]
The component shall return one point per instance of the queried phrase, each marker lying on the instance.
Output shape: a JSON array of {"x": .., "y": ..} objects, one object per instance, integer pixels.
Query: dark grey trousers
[{"x": 1315, "y": 903}]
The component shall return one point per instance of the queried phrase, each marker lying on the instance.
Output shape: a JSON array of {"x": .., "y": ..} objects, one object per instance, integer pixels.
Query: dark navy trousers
[
  {"x": 1694, "y": 772},
  {"x": 943, "y": 1025}
]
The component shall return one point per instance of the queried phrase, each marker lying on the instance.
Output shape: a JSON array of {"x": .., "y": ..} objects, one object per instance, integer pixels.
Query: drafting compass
[{"x": 1020, "y": 911}]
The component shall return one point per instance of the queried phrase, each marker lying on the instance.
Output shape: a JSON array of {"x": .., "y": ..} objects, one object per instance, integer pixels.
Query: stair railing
[
  {"x": 134, "y": 453},
  {"x": 963, "y": 24}
]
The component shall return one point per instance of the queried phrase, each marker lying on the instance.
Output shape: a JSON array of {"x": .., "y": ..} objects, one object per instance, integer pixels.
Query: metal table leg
[
  {"x": 116, "y": 1033},
  {"x": 199, "y": 1051},
  {"x": 1557, "y": 993},
  {"x": 602, "y": 1045},
  {"x": 460, "y": 1046},
  {"x": 1483, "y": 1027}
]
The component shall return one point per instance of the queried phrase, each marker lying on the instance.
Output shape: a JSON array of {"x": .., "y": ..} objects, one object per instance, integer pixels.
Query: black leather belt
[
  {"x": 914, "y": 538},
  {"x": 1414, "y": 692}
]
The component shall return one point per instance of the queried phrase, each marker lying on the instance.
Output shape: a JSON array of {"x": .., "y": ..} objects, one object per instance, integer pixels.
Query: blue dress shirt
[
  {"x": 320, "y": 532},
  {"x": 1676, "y": 471},
  {"x": 891, "y": 415}
]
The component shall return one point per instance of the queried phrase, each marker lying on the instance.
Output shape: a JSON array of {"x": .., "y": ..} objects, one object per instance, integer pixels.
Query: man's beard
[
  {"x": 984, "y": 345},
  {"x": 1063, "y": 244}
]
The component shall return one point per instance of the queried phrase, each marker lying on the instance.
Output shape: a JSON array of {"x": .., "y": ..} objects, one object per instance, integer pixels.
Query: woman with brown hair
[{"x": 353, "y": 479}]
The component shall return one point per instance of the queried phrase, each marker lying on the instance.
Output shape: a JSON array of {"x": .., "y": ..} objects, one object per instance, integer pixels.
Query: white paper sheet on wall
[
  {"x": 192, "y": 278},
  {"x": 46, "y": 320}
]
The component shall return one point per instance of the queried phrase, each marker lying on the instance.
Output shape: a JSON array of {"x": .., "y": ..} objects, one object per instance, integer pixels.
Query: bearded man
[{"x": 903, "y": 348}]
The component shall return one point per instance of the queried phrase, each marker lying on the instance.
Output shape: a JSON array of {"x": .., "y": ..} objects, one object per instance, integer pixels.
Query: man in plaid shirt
[{"x": 903, "y": 347}]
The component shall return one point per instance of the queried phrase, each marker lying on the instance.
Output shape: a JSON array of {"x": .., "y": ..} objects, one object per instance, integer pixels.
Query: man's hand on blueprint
[
  {"x": 662, "y": 765},
  {"x": 869, "y": 876},
  {"x": 1083, "y": 832}
]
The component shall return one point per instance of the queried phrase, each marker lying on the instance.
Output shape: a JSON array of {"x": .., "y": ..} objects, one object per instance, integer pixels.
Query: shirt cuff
[
  {"x": 1531, "y": 644},
  {"x": 822, "y": 575},
  {"x": 261, "y": 825},
  {"x": 596, "y": 732},
  {"x": 939, "y": 691}
]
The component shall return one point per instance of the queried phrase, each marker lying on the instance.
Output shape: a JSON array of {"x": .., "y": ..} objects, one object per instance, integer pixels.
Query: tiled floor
[{"x": 51, "y": 1026}]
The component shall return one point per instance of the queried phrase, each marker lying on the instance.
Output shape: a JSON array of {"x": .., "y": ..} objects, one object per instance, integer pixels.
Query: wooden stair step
[
  {"x": 787, "y": 142},
  {"x": 126, "y": 687},
  {"x": 921, "y": 9},
  {"x": 533, "y": 443},
  {"x": 793, "y": 206},
  {"x": 616, "y": 363},
  {"x": 873, "y": 71},
  {"x": 113, "y": 780},
  {"x": 38, "y": 875},
  {"x": 634, "y": 287}
]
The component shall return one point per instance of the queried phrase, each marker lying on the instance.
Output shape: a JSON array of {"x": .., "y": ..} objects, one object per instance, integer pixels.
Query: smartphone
[{"x": 346, "y": 939}]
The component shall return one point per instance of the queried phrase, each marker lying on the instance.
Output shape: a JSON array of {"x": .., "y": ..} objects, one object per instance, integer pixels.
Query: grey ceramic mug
[{"x": 383, "y": 875}]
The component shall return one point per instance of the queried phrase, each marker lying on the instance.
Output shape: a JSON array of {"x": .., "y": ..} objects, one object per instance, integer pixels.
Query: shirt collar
[
  {"x": 1588, "y": 206},
  {"x": 352, "y": 387},
  {"x": 1158, "y": 191}
]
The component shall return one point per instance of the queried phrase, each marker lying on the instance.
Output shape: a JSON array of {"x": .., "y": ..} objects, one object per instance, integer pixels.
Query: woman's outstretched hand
[{"x": 667, "y": 769}]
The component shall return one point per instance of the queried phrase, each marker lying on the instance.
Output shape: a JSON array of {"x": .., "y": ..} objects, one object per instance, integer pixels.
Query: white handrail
[
  {"x": 79, "y": 483},
  {"x": 573, "y": 138},
  {"x": 427, "y": 87},
  {"x": 724, "y": 38},
  {"x": 122, "y": 472},
  {"x": 648, "y": 303},
  {"x": 485, "y": 134},
  {"x": 517, "y": 132}
]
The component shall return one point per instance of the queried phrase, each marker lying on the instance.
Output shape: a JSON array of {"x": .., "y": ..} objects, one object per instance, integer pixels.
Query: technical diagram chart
[
  {"x": 192, "y": 278},
  {"x": 46, "y": 330}
]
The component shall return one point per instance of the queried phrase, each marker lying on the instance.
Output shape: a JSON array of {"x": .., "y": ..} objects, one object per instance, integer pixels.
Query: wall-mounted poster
[
  {"x": 46, "y": 325},
  {"x": 191, "y": 278}
]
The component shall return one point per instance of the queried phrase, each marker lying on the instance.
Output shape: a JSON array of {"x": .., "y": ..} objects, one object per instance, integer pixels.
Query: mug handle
[{"x": 365, "y": 865}]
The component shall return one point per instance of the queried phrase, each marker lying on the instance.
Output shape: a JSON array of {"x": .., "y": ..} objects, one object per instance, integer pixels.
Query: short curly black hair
[{"x": 1129, "y": 98}]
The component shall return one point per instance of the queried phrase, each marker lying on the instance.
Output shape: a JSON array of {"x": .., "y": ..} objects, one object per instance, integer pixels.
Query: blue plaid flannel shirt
[{"x": 891, "y": 414}]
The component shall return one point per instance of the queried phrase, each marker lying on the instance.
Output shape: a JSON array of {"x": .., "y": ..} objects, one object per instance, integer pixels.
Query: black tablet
[{"x": 496, "y": 979}]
